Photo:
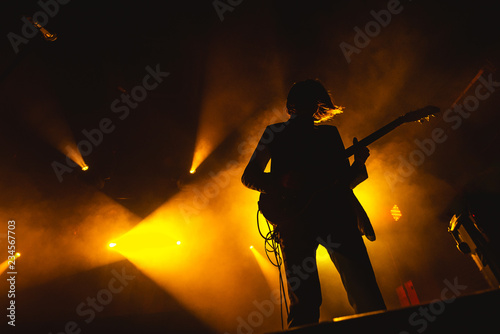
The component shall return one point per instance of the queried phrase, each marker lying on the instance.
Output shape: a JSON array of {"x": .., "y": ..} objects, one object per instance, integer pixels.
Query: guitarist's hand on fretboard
[{"x": 361, "y": 153}]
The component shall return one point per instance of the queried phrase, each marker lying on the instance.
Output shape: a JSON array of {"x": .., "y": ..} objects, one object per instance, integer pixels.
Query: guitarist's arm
[
  {"x": 254, "y": 176},
  {"x": 358, "y": 168}
]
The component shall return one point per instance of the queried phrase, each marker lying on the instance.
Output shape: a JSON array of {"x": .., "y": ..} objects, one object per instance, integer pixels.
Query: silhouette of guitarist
[{"x": 309, "y": 171}]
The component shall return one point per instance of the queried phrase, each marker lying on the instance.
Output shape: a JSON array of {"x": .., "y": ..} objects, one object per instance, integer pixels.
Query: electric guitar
[{"x": 284, "y": 207}]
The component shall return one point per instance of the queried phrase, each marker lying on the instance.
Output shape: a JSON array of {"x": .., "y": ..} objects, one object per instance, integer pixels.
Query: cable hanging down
[{"x": 272, "y": 245}]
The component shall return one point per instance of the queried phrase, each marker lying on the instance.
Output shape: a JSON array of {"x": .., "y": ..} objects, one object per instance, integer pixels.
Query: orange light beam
[
  {"x": 4, "y": 265},
  {"x": 72, "y": 152},
  {"x": 202, "y": 150},
  {"x": 269, "y": 271}
]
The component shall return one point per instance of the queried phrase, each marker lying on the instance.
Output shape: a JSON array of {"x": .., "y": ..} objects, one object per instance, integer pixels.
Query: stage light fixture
[
  {"x": 85, "y": 167},
  {"x": 112, "y": 244},
  {"x": 192, "y": 171},
  {"x": 395, "y": 212},
  {"x": 46, "y": 35},
  {"x": 251, "y": 247},
  {"x": 178, "y": 242}
]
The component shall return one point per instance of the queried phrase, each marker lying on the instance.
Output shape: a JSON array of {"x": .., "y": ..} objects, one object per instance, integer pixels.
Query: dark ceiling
[{"x": 103, "y": 48}]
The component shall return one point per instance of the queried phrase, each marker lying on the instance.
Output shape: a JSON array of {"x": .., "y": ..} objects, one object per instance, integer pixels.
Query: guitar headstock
[{"x": 420, "y": 115}]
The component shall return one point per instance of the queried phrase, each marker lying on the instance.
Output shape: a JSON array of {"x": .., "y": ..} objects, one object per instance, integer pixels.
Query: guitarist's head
[{"x": 310, "y": 98}]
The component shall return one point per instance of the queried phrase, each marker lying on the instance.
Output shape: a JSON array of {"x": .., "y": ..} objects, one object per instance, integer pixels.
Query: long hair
[{"x": 311, "y": 96}]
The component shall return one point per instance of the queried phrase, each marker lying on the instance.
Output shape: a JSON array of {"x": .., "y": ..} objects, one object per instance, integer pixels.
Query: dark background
[{"x": 103, "y": 46}]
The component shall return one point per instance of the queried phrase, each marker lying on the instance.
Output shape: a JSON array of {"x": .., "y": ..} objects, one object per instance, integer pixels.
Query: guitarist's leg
[
  {"x": 356, "y": 272},
  {"x": 304, "y": 291}
]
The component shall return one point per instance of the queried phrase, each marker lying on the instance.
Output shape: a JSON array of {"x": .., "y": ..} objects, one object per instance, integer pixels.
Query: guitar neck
[{"x": 374, "y": 136}]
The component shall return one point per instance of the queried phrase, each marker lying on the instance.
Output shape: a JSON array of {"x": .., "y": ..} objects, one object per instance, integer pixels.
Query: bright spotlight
[
  {"x": 112, "y": 244},
  {"x": 178, "y": 242},
  {"x": 85, "y": 167},
  {"x": 395, "y": 212},
  {"x": 251, "y": 247},
  {"x": 18, "y": 254},
  {"x": 192, "y": 171}
]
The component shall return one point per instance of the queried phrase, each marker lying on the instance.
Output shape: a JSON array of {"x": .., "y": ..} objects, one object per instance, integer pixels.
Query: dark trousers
[{"x": 347, "y": 250}]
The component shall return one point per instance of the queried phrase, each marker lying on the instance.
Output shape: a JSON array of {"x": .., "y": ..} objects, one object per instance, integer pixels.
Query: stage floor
[{"x": 475, "y": 313}]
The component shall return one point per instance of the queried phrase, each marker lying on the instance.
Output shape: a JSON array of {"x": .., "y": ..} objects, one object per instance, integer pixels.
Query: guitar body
[{"x": 278, "y": 209}]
